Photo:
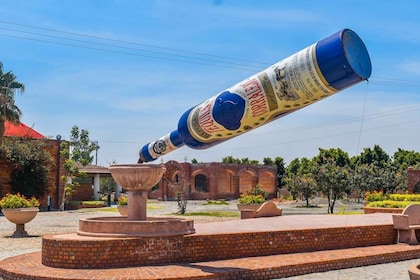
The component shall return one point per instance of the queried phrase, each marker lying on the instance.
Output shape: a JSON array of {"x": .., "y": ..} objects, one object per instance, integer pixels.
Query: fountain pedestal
[
  {"x": 136, "y": 210},
  {"x": 137, "y": 179}
]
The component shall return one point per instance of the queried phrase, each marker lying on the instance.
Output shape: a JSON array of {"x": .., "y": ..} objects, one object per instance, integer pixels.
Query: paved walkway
[{"x": 66, "y": 222}]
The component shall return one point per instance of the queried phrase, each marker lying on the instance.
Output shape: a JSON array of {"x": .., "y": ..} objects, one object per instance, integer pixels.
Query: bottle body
[{"x": 314, "y": 73}]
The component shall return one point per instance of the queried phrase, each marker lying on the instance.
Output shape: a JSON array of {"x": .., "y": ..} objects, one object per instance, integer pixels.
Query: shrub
[
  {"x": 405, "y": 197},
  {"x": 18, "y": 201},
  {"x": 93, "y": 203},
  {"x": 258, "y": 190},
  {"x": 254, "y": 196},
  {"x": 122, "y": 200},
  {"x": 31, "y": 165},
  {"x": 391, "y": 204},
  {"x": 375, "y": 196},
  {"x": 251, "y": 199}
]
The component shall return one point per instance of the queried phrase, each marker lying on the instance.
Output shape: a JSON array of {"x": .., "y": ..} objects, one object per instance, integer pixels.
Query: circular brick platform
[
  {"x": 76, "y": 251},
  {"x": 28, "y": 266},
  {"x": 121, "y": 227}
]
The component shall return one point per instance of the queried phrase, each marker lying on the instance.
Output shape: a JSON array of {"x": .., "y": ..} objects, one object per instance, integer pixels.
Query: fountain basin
[
  {"x": 122, "y": 227},
  {"x": 137, "y": 177}
]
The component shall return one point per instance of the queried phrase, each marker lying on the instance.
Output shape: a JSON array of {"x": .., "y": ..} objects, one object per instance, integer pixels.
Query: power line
[
  {"x": 260, "y": 64},
  {"x": 115, "y": 46},
  {"x": 220, "y": 63},
  {"x": 135, "y": 43},
  {"x": 127, "y": 53}
]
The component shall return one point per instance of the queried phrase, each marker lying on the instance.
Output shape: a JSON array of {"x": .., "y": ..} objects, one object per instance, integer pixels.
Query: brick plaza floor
[{"x": 262, "y": 267}]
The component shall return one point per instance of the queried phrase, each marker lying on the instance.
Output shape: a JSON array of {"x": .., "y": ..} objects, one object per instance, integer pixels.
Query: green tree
[
  {"x": 246, "y": 161},
  {"x": 404, "y": 159},
  {"x": 370, "y": 156},
  {"x": 332, "y": 174},
  {"x": 296, "y": 172},
  {"x": 293, "y": 167},
  {"x": 360, "y": 180},
  {"x": 336, "y": 155},
  {"x": 281, "y": 170},
  {"x": 230, "y": 159},
  {"x": 393, "y": 179},
  {"x": 333, "y": 182},
  {"x": 77, "y": 153},
  {"x": 303, "y": 185},
  {"x": 108, "y": 184},
  {"x": 9, "y": 86},
  {"x": 82, "y": 147},
  {"x": 374, "y": 170}
]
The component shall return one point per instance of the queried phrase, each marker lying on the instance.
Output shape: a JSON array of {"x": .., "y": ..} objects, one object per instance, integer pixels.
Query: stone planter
[
  {"x": 266, "y": 209},
  {"x": 414, "y": 272},
  {"x": 371, "y": 210},
  {"x": 123, "y": 210},
  {"x": 244, "y": 207},
  {"x": 248, "y": 210},
  {"x": 20, "y": 216}
]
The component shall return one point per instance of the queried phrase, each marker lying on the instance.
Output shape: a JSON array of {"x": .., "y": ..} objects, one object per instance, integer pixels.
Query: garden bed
[{"x": 371, "y": 210}]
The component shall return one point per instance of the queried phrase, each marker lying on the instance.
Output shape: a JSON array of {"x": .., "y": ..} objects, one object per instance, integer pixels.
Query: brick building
[
  {"x": 214, "y": 180},
  {"x": 204, "y": 180},
  {"x": 208, "y": 180}
]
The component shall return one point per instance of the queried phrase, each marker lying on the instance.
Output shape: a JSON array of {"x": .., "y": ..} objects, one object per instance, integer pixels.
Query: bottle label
[{"x": 286, "y": 86}]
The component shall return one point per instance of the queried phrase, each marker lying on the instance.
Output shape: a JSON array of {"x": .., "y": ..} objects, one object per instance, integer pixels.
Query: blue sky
[{"x": 127, "y": 70}]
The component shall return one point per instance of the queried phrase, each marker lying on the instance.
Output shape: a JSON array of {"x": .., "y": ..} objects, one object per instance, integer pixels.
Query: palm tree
[{"x": 9, "y": 86}]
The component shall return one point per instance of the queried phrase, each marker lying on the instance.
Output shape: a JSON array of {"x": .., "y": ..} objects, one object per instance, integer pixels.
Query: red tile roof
[{"x": 21, "y": 130}]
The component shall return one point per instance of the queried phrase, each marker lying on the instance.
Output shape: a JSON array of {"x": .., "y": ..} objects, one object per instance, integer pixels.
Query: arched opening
[
  {"x": 200, "y": 182},
  {"x": 267, "y": 181},
  {"x": 247, "y": 180}
]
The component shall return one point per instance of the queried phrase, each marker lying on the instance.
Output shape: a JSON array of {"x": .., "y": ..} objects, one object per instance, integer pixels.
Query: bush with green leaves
[
  {"x": 251, "y": 199},
  {"x": 13, "y": 201},
  {"x": 258, "y": 190},
  {"x": 378, "y": 199},
  {"x": 404, "y": 197},
  {"x": 93, "y": 203},
  {"x": 31, "y": 165},
  {"x": 391, "y": 204},
  {"x": 255, "y": 196},
  {"x": 376, "y": 196},
  {"x": 122, "y": 200}
]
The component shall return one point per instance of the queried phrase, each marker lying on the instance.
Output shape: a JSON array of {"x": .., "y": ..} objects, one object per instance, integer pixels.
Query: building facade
[{"x": 214, "y": 180}]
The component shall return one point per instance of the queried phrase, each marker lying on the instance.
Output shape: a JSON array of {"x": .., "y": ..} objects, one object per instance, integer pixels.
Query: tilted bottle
[{"x": 318, "y": 71}]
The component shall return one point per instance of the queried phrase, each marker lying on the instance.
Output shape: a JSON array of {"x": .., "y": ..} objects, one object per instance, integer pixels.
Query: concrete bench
[
  {"x": 407, "y": 223},
  {"x": 267, "y": 209}
]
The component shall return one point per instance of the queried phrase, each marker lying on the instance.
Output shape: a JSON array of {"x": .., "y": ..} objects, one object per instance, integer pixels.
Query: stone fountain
[
  {"x": 137, "y": 179},
  {"x": 121, "y": 241}
]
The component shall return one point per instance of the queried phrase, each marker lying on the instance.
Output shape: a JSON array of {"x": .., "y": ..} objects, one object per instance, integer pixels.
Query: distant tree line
[{"x": 334, "y": 174}]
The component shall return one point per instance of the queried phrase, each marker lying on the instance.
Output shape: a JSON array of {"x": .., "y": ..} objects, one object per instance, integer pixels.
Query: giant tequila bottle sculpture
[{"x": 318, "y": 71}]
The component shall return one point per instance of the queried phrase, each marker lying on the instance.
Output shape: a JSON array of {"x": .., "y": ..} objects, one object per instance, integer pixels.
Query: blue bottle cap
[{"x": 343, "y": 59}]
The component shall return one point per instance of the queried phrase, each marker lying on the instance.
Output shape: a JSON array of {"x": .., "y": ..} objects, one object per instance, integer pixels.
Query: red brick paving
[{"x": 28, "y": 266}]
